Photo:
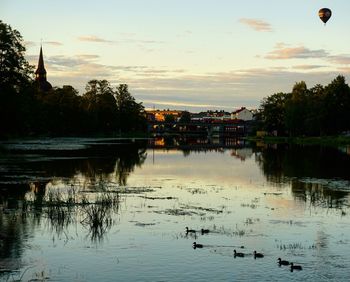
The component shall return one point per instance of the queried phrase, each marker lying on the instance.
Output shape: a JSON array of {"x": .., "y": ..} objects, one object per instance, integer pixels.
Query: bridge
[{"x": 204, "y": 128}]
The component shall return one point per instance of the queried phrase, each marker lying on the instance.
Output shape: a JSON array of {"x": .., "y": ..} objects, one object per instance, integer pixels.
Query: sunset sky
[{"x": 186, "y": 54}]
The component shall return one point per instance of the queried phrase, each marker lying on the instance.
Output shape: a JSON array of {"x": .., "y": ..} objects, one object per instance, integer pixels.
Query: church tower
[{"x": 40, "y": 74}]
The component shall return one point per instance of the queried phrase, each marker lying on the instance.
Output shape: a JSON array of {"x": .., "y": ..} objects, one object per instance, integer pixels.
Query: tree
[
  {"x": 15, "y": 81},
  {"x": 185, "y": 117},
  {"x": 273, "y": 112},
  {"x": 130, "y": 113},
  {"x": 100, "y": 105},
  {"x": 315, "y": 112},
  {"x": 295, "y": 109},
  {"x": 337, "y": 106},
  {"x": 169, "y": 118},
  {"x": 15, "y": 71}
]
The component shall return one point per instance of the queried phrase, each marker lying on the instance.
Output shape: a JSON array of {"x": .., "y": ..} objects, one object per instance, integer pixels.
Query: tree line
[
  {"x": 62, "y": 111},
  {"x": 317, "y": 111}
]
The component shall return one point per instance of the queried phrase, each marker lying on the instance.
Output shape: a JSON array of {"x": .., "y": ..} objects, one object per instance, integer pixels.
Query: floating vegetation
[
  {"x": 252, "y": 206},
  {"x": 135, "y": 190},
  {"x": 274, "y": 194},
  {"x": 250, "y": 221},
  {"x": 288, "y": 222},
  {"x": 196, "y": 191},
  {"x": 141, "y": 224},
  {"x": 178, "y": 212},
  {"x": 216, "y": 211},
  {"x": 207, "y": 218},
  {"x": 158, "y": 198}
]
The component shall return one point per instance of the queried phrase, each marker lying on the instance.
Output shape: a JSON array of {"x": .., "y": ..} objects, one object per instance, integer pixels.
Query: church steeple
[{"x": 40, "y": 74}]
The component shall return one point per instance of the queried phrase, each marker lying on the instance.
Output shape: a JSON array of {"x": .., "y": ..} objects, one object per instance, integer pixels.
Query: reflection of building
[
  {"x": 40, "y": 75},
  {"x": 242, "y": 153},
  {"x": 242, "y": 114}
]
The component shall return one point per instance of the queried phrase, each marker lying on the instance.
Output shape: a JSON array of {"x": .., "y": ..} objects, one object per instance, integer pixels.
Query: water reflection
[
  {"x": 81, "y": 189},
  {"x": 318, "y": 175},
  {"x": 287, "y": 161}
]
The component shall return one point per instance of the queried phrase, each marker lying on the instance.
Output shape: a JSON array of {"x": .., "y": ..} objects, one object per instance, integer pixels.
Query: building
[
  {"x": 40, "y": 75},
  {"x": 242, "y": 114},
  {"x": 158, "y": 115}
]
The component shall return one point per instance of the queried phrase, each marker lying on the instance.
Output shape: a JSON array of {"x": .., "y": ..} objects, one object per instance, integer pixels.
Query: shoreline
[{"x": 324, "y": 140}]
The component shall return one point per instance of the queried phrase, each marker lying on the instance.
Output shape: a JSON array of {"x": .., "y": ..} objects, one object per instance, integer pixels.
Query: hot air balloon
[{"x": 324, "y": 14}]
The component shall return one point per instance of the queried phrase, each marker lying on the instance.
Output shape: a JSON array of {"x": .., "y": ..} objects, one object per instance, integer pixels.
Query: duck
[
  {"x": 241, "y": 255},
  {"x": 295, "y": 267},
  {"x": 190, "y": 230},
  {"x": 205, "y": 231},
  {"x": 283, "y": 262},
  {"x": 195, "y": 245},
  {"x": 258, "y": 255}
]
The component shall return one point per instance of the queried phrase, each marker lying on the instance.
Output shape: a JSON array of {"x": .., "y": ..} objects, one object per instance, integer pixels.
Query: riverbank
[{"x": 324, "y": 140}]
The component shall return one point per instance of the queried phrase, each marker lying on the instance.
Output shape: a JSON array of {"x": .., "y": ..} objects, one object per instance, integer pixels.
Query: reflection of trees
[
  {"x": 24, "y": 206},
  {"x": 126, "y": 163},
  {"x": 15, "y": 227},
  {"x": 319, "y": 195},
  {"x": 290, "y": 163}
]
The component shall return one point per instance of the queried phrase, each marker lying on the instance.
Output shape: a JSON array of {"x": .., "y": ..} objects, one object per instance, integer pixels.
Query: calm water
[{"x": 116, "y": 210}]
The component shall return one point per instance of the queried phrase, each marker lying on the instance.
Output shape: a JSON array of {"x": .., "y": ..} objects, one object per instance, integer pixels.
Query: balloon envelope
[{"x": 324, "y": 14}]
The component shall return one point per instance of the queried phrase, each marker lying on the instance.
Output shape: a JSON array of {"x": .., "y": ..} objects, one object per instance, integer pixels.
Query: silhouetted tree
[
  {"x": 295, "y": 109},
  {"x": 337, "y": 106},
  {"x": 15, "y": 71},
  {"x": 100, "y": 104},
  {"x": 185, "y": 117},
  {"x": 130, "y": 113},
  {"x": 169, "y": 118},
  {"x": 273, "y": 112},
  {"x": 316, "y": 111},
  {"x": 15, "y": 79}
]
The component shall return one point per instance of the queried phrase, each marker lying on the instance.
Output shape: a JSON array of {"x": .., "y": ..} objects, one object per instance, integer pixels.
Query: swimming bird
[
  {"x": 283, "y": 262},
  {"x": 295, "y": 267},
  {"x": 204, "y": 231},
  {"x": 258, "y": 255},
  {"x": 241, "y": 255},
  {"x": 190, "y": 230},
  {"x": 195, "y": 245}
]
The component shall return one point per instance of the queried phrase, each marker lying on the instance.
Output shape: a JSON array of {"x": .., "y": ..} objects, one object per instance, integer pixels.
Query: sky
[{"x": 186, "y": 54}]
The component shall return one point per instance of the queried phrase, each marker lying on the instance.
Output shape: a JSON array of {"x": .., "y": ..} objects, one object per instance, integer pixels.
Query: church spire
[{"x": 40, "y": 73}]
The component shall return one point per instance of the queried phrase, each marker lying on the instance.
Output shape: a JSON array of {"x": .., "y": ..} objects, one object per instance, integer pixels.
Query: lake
[{"x": 117, "y": 210}]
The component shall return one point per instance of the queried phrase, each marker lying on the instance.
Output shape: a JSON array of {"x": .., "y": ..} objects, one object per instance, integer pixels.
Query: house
[
  {"x": 159, "y": 115},
  {"x": 242, "y": 114}
]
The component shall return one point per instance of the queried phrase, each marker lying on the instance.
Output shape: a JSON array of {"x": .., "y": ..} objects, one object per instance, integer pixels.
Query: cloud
[
  {"x": 53, "y": 43},
  {"x": 128, "y": 38},
  {"x": 29, "y": 44},
  {"x": 340, "y": 59},
  {"x": 69, "y": 62},
  {"x": 32, "y": 43},
  {"x": 256, "y": 24},
  {"x": 93, "y": 38},
  {"x": 182, "y": 104},
  {"x": 185, "y": 33},
  {"x": 168, "y": 87},
  {"x": 308, "y": 67},
  {"x": 88, "y": 56},
  {"x": 283, "y": 52}
]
